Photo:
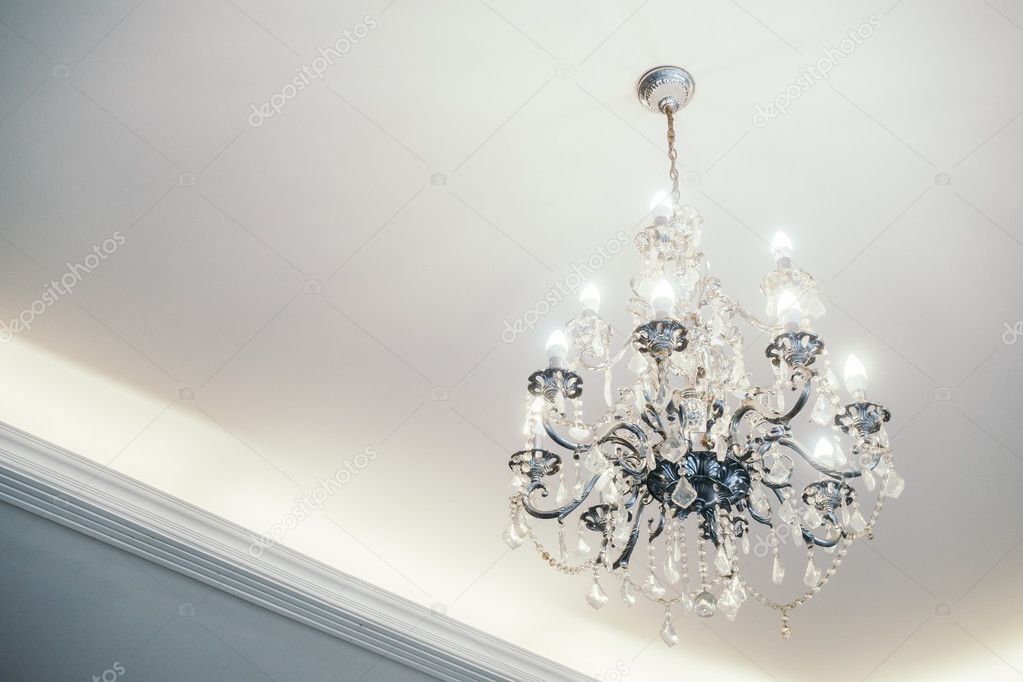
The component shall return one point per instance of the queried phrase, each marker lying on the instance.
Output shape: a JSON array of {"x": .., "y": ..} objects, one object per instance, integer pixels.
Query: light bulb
[
  {"x": 590, "y": 298},
  {"x": 557, "y": 347},
  {"x": 662, "y": 299},
  {"x": 824, "y": 452},
  {"x": 781, "y": 246},
  {"x": 660, "y": 206},
  {"x": 789, "y": 312},
  {"x": 855, "y": 377}
]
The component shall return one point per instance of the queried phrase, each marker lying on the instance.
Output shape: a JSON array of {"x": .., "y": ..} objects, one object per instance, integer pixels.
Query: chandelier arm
[
  {"x": 733, "y": 306},
  {"x": 623, "y": 559},
  {"x": 561, "y": 512},
  {"x": 808, "y": 535},
  {"x": 612, "y": 359},
  {"x": 558, "y": 438},
  {"x": 796, "y": 447}
]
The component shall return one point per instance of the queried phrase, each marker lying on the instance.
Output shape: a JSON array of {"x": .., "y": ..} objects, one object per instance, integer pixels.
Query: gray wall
[{"x": 73, "y": 608}]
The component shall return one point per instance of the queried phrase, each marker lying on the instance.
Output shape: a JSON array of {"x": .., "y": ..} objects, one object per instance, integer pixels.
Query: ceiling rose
[{"x": 663, "y": 491}]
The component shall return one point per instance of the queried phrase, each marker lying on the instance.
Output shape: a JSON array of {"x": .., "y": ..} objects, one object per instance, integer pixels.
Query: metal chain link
[{"x": 676, "y": 197}]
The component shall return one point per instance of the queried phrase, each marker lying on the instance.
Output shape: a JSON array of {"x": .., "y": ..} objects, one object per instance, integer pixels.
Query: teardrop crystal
[
  {"x": 893, "y": 485},
  {"x": 628, "y": 594},
  {"x": 581, "y": 547},
  {"x": 668, "y": 634},
  {"x": 857, "y": 523},
  {"x": 812, "y": 575},
  {"x": 511, "y": 536},
  {"x": 777, "y": 571},
  {"x": 608, "y": 395},
  {"x": 869, "y": 482},
  {"x": 721, "y": 562},
  {"x": 684, "y": 493},
  {"x": 578, "y": 433},
  {"x": 812, "y": 518},
  {"x": 822, "y": 413},
  {"x": 652, "y": 586},
  {"x": 596, "y": 597},
  {"x": 561, "y": 494}
]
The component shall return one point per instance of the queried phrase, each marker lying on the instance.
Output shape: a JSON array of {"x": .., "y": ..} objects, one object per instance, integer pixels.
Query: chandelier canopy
[{"x": 690, "y": 456}]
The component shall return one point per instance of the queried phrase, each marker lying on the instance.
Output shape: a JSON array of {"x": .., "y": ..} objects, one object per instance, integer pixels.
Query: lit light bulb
[
  {"x": 824, "y": 453},
  {"x": 557, "y": 348},
  {"x": 660, "y": 206},
  {"x": 789, "y": 312},
  {"x": 590, "y": 298},
  {"x": 781, "y": 246},
  {"x": 855, "y": 377},
  {"x": 662, "y": 299}
]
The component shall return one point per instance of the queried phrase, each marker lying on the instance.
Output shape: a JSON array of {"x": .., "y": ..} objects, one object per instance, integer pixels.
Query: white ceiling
[{"x": 339, "y": 277}]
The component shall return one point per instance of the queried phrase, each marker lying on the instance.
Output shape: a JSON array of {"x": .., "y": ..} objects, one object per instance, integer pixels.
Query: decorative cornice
[{"x": 81, "y": 494}]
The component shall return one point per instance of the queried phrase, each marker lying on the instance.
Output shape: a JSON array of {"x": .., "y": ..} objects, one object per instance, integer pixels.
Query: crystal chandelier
[{"x": 664, "y": 490}]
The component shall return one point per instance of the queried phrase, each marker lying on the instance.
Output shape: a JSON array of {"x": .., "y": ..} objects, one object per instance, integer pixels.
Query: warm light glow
[
  {"x": 824, "y": 451},
  {"x": 590, "y": 297},
  {"x": 663, "y": 298},
  {"x": 855, "y": 375},
  {"x": 781, "y": 245},
  {"x": 557, "y": 344},
  {"x": 789, "y": 311}
]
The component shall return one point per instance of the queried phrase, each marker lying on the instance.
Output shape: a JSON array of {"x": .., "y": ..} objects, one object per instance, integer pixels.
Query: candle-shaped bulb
[
  {"x": 590, "y": 298},
  {"x": 781, "y": 246},
  {"x": 855, "y": 377},
  {"x": 789, "y": 312},
  {"x": 824, "y": 452},
  {"x": 662, "y": 299},
  {"x": 660, "y": 206},
  {"x": 557, "y": 347}
]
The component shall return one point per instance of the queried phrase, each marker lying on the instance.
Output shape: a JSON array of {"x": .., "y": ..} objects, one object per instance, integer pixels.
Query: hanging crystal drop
[
  {"x": 668, "y": 634},
  {"x": 812, "y": 518},
  {"x": 670, "y": 572},
  {"x": 893, "y": 485},
  {"x": 831, "y": 380},
  {"x": 578, "y": 433},
  {"x": 844, "y": 513},
  {"x": 561, "y": 494},
  {"x": 652, "y": 586},
  {"x": 778, "y": 570},
  {"x": 521, "y": 527},
  {"x": 628, "y": 595},
  {"x": 596, "y": 597},
  {"x": 704, "y": 604},
  {"x": 637, "y": 363},
  {"x": 517, "y": 484},
  {"x": 758, "y": 500},
  {"x": 839, "y": 454},
  {"x": 684, "y": 493},
  {"x": 581, "y": 547},
  {"x": 787, "y": 510},
  {"x": 857, "y": 523},
  {"x": 822, "y": 413},
  {"x": 559, "y": 402},
  {"x": 686, "y": 600},
  {"x": 869, "y": 482},
  {"x": 511, "y": 537},
  {"x": 812, "y": 575},
  {"x": 721, "y": 562},
  {"x": 608, "y": 396},
  {"x": 562, "y": 546}
]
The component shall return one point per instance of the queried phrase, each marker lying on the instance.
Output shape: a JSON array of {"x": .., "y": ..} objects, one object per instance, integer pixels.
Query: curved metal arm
[
  {"x": 558, "y": 438},
  {"x": 623, "y": 559},
  {"x": 796, "y": 447},
  {"x": 561, "y": 512}
]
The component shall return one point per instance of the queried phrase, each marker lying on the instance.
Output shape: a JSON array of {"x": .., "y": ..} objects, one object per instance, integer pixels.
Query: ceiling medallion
[{"x": 664, "y": 490}]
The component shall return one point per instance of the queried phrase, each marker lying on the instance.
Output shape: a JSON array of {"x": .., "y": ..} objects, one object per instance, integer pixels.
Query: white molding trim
[{"x": 81, "y": 494}]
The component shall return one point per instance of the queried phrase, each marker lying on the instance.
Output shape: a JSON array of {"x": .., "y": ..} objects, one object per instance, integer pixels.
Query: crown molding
[{"x": 76, "y": 492}]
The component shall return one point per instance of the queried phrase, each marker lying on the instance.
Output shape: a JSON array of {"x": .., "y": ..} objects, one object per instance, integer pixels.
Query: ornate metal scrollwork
[
  {"x": 660, "y": 338},
  {"x": 864, "y": 418},
  {"x": 797, "y": 349},
  {"x": 828, "y": 495},
  {"x": 548, "y": 383}
]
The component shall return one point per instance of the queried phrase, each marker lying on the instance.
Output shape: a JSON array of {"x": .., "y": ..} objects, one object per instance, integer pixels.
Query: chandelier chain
[{"x": 676, "y": 197}]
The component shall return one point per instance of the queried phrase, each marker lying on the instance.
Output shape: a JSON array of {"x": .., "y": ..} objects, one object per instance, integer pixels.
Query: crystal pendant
[
  {"x": 562, "y": 546},
  {"x": 812, "y": 575},
  {"x": 608, "y": 395},
  {"x": 738, "y": 591},
  {"x": 787, "y": 510},
  {"x": 686, "y": 600},
  {"x": 637, "y": 364},
  {"x": 668, "y": 633},
  {"x": 727, "y": 606},
  {"x": 579, "y": 433},
  {"x": 596, "y": 597},
  {"x": 559, "y": 402},
  {"x": 561, "y": 494},
  {"x": 517, "y": 484},
  {"x": 581, "y": 547},
  {"x": 670, "y": 572},
  {"x": 831, "y": 380},
  {"x": 684, "y": 493},
  {"x": 628, "y": 595},
  {"x": 721, "y": 562},
  {"x": 758, "y": 500},
  {"x": 869, "y": 482},
  {"x": 777, "y": 571},
  {"x": 857, "y": 524},
  {"x": 704, "y": 604},
  {"x": 812, "y": 518},
  {"x": 822, "y": 413},
  {"x": 511, "y": 536},
  {"x": 893, "y": 485},
  {"x": 652, "y": 586},
  {"x": 839, "y": 455}
]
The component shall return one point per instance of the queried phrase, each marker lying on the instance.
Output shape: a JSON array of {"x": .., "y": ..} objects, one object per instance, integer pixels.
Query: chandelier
[{"x": 664, "y": 490}]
